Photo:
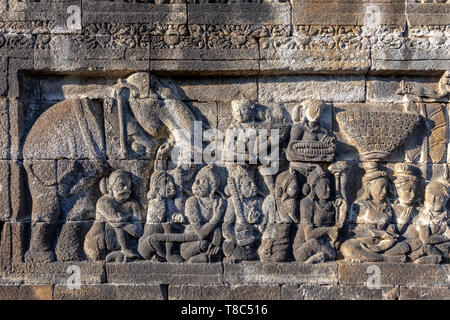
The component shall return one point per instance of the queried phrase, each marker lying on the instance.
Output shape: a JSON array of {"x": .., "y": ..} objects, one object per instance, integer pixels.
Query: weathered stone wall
[{"x": 90, "y": 87}]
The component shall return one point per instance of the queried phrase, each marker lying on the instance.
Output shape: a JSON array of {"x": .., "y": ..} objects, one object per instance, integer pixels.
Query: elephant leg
[
  {"x": 45, "y": 210},
  {"x": 41, "y": 243}
]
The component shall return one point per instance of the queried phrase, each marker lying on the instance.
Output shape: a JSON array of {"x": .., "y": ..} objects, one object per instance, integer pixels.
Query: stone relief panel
[{"x": 128, "y": 167}]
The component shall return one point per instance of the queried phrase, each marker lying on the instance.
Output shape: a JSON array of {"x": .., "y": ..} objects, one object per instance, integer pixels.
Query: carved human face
[
  {"x": 242, "y": 112},
  {"x": 247, "y": 187},
  {"x": 313, "y": 112},
  {"x": 292, "y": 189},
  {"x": 406, "y": 192},
  {"x": 167, "y": 188},
  {"x": 201, "y": 187},
  {"x": 435, "y": 199},
  {"x": 121, "y": 189},
  {"x": 323, "y": 189},
  {"x": 377, "y": 189}
]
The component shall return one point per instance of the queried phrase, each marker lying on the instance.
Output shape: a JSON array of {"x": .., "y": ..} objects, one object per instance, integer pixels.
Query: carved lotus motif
[{"x": 376, "y": 134}]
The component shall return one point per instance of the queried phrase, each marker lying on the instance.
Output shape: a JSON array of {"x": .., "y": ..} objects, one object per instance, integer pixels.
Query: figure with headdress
[
  {"x": 374, "y": 232},
  {"x": 244, "y": 220},
  {"x": 406, "y": 181},
  {"x": 117, "y": 221},
  {"x": 162, "y": 213},
  {"x": 282, "y": 209},
  {"x": 320, "y": 222},
  {"x": 433, "y": 223},
  {"x": 204, "y": 211},
  {"x": 405, "y": 206}
]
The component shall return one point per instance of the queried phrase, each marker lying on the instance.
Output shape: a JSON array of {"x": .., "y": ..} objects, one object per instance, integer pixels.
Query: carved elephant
[{"x": 70, "y": 147}]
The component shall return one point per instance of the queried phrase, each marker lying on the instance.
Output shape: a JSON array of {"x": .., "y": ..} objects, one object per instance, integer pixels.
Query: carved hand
[
  {"x": 254, "y": 217},
  {"x": 164, "y": 150},
  {"x": 218, "y": 212}
]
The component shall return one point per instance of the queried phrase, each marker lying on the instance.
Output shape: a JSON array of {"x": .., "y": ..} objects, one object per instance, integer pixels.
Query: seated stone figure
[
  {"x": 117, "y": 221},
  {"x": 244, "y": 220},
  {"x": 318, "y": 230},
  {"x": 162, "y": 213},
  {"x": 282, "y": 209},
  {"x": 405, "y": 208},
  {"x": 204, "y": 210},
  {"x": 309, "y": 141},
  {"x": 374, "y": 237},
  {"x": 433, "y": 223},
  {"x": 160, "y": 216}
]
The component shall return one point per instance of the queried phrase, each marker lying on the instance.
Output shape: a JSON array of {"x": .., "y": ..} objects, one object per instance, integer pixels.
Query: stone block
[
  {"x": 389, "y": 88},
  {"x": 146, "y": 272},
  {"x": 20, "y": 204},
  {"x": 219, "y": 89},
  {"x": 57, "y": 272},
  {"x": 3, "y": 75},
  {"x": 224, "y": 292},
  {"x": 57, "y": 88},
  {"x": 425, "y": 293},
  {"x": 93, "y": 50},
  {"x": 412, "y": 59},
  {"x": 380, "y": 12},
  {"x": 16, "y": 126},
  {"x": 207, "y": 67},
  {"x": 16, "y": 65},
  {"x": 58, "y": 14},
  {"x": 138, "y": 13},
  {"x": 26, "y": 292},
  {"x": 336, "y": 292},
  {"x": 395, "y": 274},
  {"x": 299, "y": 61},
  {"x": 224, "y": 52},
  {"x": 5, "y": 206},
  {"x": 5, "y": 249},
  {"x": 277, "y": 273},
  {"x": 12, "y": 198},
  {"x": 299, "y": 88},
  {"x": 424, "y": 14},
  {"x": 239, "y": 14},
  {"x": 111, "y": 292}
]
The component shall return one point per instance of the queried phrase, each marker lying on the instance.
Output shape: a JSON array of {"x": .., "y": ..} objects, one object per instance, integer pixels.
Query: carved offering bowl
[{"x": 376, "y": 134}]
